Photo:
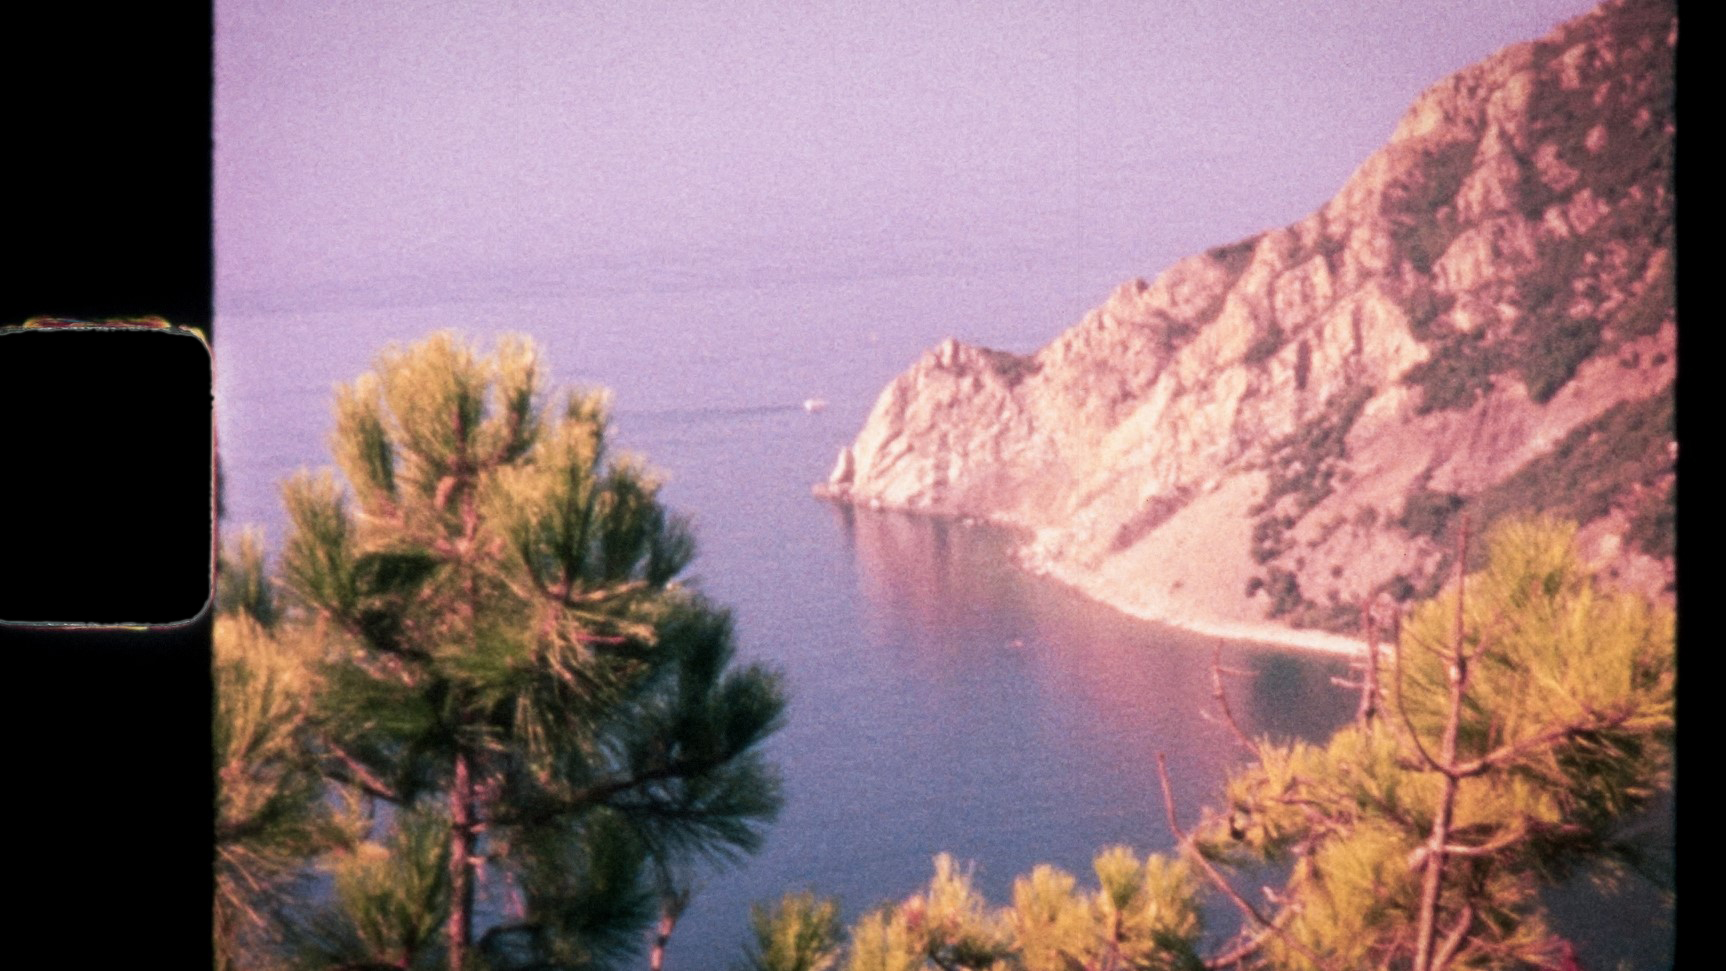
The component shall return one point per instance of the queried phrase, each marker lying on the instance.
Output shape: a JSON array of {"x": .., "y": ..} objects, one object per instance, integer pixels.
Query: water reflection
[{"x": 1041, "y": 712}]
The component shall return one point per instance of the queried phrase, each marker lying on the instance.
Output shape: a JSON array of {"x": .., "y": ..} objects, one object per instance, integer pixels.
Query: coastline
[
  {"x": 1169, "y": 611},
  {"x": 1174, "y": 607},
  {"x": 1190, "y": 573}
]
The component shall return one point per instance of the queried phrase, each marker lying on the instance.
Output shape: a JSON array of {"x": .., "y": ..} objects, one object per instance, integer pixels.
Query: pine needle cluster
[{"x": 492, "y": 712}]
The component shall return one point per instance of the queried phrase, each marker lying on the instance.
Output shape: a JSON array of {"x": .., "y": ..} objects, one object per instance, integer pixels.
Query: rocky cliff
[{"x": 1482, "y": 321}]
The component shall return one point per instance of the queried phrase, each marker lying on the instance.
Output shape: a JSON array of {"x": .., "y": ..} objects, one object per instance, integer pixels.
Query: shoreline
[
  {"x": 1183, "y": 617},
  {"x": 1167, "y": 610},
  {"x": 1263, "y": 632}
]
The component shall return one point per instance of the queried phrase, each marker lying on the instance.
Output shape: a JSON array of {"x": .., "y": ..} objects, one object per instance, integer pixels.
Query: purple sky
[{"x": 392, "y": 138}]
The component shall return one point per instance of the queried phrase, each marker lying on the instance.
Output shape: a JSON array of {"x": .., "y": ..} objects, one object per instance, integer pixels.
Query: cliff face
[{"x": 1481, "y": 320}]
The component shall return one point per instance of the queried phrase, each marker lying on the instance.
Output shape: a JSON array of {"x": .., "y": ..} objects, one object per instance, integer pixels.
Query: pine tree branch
[
  {"x": 234, "y": 832},
  {"x": 349, "y": 623},
  {"x": 1432, "y": 879},
  {"x": 238, "y": 867},
  {"x": 1402, "y": 711},
  {"x": 1453, "y": 940},
  {"x": 1506, "y": 753},
  {"x": 597, "y": 794},
  {"x": 354, "y": 773},
  {"x": 1253, "y": 944},
  {"x": 1367, "y": 712},
  {"x": 561, "y": 593},
  {"x": 1245, "y": 906},
  {"x": 1222, "y": 699},
  {"x": 1516, "y": 834}
]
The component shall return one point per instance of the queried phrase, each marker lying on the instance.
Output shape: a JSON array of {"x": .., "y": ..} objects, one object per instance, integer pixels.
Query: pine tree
[
  {"x": 271, "y": 816},
  {"x": 1529, "y": 716},
  {"x": 1142, "y": 915},
  {"x": 801, "y": 933},
  {"x": 1525, "y": 717},
  {"x": 512, "y": 667}
]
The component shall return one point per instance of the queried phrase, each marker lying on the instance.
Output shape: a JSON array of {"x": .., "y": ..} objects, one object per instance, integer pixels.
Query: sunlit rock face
[{"x": 1481, "y": 321}]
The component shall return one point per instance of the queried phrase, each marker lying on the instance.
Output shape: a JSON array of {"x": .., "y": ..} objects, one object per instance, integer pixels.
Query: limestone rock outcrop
[{"x": 1481, "y": 321}]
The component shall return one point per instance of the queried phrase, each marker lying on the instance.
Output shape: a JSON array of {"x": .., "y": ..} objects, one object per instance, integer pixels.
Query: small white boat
[{"x": 812, "y": 405}]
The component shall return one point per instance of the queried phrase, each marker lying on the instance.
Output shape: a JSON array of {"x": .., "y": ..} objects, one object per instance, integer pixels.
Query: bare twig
[
  {"x": 1222, "y": 700},
  {"x": 1505, "y": 753},
  {"x": 674, "y": 897},
  {"x": 1211, "y": 871},
  {"x": 1515, "y": 834},
  {"x": 1240, "y": 952},
  {"x": 1215, "y": 876},
  {"x": 1367, "y": 713},
  {"x": 355, "y": 773},
  {"x": 1453, "y": 940},
  {"x": 1433, "y": 879},
  {"x": 1402, "y": 710}
]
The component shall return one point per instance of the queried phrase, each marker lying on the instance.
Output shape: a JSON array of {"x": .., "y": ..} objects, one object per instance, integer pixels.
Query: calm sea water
[{"x": 941, "y": 700}]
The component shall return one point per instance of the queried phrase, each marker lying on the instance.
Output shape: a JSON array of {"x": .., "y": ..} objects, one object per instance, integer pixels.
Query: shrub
[
  {"x": 1553, "y": 357},
  {"x": 1427, "y": 513},
  {"x": 1459, "y": 371}
]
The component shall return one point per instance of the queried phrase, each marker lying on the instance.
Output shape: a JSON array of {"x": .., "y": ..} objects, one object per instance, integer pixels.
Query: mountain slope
[{"x": 1481, "y": 320}]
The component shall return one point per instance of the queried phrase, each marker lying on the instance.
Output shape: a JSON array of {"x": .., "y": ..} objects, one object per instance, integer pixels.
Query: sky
[{"x": 444, "y": 141}]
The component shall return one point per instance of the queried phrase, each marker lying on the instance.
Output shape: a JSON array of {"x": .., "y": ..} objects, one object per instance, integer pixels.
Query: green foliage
[
  {"x": 497, "y": 647},
  {"x": 270, "y": 812},
  {"x": 1555, "y": 355},
  {"x": 1559, "y": 732},
  {"x": 1544, "y": 349},
  {"x": 1142, "y": 914},
  {"x": 390, "y": 897},
  {"x": 802, "y": 933},
  {"x": 1156, "y": 511},
  {"x": 1419, "y": 206},
  {"x": 1654, "y": 530},
  {"x": 1571, "y": 702},
  {"x": 242, "y": 581},
  {"x": 948, "y": 925},
  {"x": 1548, "y": 343},
  {"x": 1284, "y": 590},
  {"x": 1428, "y": 513},
  {"x": 1050, "y": 919},
  {"x": 1303, "y": 463},
  {"x": 951, "y": 922},
  {"x": 885, "y": 941},
  {"x": 1268, "y": 542},
  {"x": 1609, "y": 462},
  {"x": 1302, "y": 467},
  {"x": 1651, "y": 306},
  {"x": 695, "y": 734},
  {"x": 1456, "y": 375},
  {"x": 584, "y": 896},
  {"x": 1425, "y": 309}
]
